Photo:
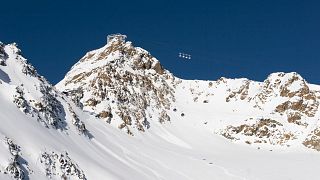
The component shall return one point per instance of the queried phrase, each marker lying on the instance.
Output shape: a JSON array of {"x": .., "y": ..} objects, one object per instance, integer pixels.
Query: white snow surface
[{"x": 186, "y": 148}]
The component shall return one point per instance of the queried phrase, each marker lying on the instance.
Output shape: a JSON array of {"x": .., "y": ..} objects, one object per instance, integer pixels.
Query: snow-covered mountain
[
  {"x": 118, "y": 114},
  {"x": 121, "y": 84}
]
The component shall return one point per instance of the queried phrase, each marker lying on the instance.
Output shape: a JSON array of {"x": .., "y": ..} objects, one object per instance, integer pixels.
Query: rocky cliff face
[
  {"x": 285, "y": 93},
  {"x": 122, "y": 85}
]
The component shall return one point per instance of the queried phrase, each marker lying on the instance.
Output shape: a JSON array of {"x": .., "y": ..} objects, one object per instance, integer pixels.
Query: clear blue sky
[{"x": 230, "y": 38}]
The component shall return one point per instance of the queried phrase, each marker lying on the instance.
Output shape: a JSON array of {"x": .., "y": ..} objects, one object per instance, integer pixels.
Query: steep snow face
[
  {"x": 121, "y": 84},
  {"x": 31, "y": 107},
  {"x": 30, "y": 92}
]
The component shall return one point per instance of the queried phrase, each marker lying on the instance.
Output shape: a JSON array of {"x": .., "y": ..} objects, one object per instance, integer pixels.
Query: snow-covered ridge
[
  {"x": 280, "y": 111},
  {"x": 107, "y": 82}
]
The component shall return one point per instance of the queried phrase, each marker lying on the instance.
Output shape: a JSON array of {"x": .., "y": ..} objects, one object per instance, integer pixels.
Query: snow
[{"x": 187, "y": 147}]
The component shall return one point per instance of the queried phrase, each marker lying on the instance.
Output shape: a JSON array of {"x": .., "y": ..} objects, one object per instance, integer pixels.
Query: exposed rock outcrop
[
  {"x": 60, "y": 165},
  {"x": 258, "y": 131}
]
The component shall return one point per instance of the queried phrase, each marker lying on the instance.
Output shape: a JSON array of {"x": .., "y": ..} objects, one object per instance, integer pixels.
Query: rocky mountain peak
[
  {"x": 119, "y": 55},
  {"x": 122, "y": 84},
  {"x": 286, "y": 84},
  {"x": 295, "y": 98}
]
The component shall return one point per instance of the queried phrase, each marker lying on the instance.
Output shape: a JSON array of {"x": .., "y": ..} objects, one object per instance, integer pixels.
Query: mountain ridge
[
  {"x": 286, "y": 95},
  {"x": 183, "y": 129}
]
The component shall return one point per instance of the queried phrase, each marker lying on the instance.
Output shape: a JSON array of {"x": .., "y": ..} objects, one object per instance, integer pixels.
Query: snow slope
[{"x": 70, "y": 140}]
